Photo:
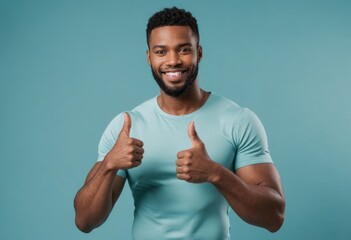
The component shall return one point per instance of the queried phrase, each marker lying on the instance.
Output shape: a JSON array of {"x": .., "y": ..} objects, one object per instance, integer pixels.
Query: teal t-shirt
[{"x": 169, "y": 208}]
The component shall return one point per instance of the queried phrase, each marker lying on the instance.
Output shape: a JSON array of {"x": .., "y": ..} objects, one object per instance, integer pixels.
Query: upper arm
[
  {"x": 264, "y": 174},
  {"x": 118, "y": 182}
]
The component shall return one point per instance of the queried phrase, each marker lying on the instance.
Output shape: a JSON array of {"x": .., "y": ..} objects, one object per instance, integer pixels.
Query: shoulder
[
  {"x": 145, "y": 106},
  {"x": 227, "y": 108},
  {"x": 223, "y": 101},
  {"x": 140, "y": 110},
  {"x": 233, "y": 116},
  {"x": 144, "y": 109}
]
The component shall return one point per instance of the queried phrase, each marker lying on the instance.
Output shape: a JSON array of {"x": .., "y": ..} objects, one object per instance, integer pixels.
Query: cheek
[
  {"x": 191, "y": 60},
  {"x": 155, "y": 63},
  {"x": 155, "y": 68}
]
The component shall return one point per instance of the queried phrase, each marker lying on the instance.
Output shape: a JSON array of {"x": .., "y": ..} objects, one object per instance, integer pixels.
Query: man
[{"x": 187, "y": 154}]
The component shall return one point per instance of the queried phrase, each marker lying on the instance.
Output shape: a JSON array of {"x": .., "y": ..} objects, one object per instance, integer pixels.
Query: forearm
[
  {"x": 93, "y": 202},
  {"x": 258, "y": 204}
]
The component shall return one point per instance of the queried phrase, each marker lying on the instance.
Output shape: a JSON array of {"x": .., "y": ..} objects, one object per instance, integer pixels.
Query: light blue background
[{"x": 68, "y": 67}]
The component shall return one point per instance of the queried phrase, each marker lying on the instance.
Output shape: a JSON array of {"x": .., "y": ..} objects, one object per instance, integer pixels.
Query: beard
[{"x": 176, "y": 92}]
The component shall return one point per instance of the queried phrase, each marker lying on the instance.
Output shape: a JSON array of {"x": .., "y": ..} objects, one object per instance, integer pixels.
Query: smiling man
[
  {"x": 183, "y": 42},
  {"x": 188, "y": 155}
]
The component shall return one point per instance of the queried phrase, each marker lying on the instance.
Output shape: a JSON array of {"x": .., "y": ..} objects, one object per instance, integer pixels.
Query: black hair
[{"x": 172, "y": 17}]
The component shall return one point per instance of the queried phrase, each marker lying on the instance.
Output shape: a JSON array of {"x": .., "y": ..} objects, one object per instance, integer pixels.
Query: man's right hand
[{"x": 127, "y": 152}]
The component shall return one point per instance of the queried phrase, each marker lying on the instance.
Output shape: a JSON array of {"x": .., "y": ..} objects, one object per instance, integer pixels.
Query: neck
[{"x": 188, "y": 102}]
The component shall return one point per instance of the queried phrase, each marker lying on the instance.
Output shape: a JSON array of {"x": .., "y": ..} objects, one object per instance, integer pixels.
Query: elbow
[
  {"x": 81, "y": 222},
  {"x": 278, "y": 219},
  {"x": 276, "y": 225},
  {"x": 83, "y": 226}
]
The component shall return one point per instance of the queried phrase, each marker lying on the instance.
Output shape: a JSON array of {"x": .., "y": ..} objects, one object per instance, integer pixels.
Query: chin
[{"x": 176, "y": 88}]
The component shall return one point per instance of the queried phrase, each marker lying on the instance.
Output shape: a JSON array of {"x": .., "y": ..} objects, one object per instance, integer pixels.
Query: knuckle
[
  {"x": 189, "y": 154},
  {"x": 129, "y": 164},
  {"x": 180, "y": 154},
  {"x": 130, "y": 157},
  {"x": 130, "y": 149}
]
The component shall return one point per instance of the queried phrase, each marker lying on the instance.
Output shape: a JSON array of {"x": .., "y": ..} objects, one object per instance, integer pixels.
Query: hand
[
  {"x": 127, "y": 152},
  {"x": 194, "y": 165}
]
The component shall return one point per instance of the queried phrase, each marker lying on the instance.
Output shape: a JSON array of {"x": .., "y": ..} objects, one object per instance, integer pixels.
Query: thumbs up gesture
[
  {"x": 127, "y": 152},
  {"x": 194, "y": 165}
]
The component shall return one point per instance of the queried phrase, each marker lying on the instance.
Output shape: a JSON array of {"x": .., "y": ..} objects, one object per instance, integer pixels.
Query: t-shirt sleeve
[
  {"x": 109, "y": 138},
  {"x": 251, "y": 141}
]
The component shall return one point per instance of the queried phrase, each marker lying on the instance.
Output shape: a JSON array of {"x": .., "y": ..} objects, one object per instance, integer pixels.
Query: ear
[
  {"x": 148, "y": 57},
  {"x": 199, "y": 53}
]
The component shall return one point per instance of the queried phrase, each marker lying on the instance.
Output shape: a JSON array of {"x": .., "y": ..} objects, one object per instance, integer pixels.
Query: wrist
[
  {"x": 107, "y": 164},
  {"x": 215, "y": 174}
]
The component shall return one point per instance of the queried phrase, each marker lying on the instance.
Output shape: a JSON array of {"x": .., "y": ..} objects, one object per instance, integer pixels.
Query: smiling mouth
[{"x": 174, "y": 73}]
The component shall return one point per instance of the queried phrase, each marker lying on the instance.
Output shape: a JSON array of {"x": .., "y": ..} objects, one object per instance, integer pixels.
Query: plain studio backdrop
[{"x": 68, "y": 67}]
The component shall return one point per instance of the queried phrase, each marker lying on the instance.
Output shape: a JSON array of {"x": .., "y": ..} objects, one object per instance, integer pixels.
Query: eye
[
  {"x": 160, "y": 52},
  {"x": 185, "y": 50}
]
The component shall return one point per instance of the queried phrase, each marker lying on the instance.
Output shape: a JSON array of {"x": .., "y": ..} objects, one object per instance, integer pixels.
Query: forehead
[{"x": 172, "y": 35}]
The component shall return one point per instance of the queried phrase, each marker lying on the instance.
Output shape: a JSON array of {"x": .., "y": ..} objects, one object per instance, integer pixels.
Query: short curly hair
[{"x": 172, "y": 17}]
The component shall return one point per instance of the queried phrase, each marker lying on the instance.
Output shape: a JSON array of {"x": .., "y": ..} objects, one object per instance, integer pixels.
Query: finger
[
  {"x": 179, "y": 170},
  {"x": 179, "y": 162},
  {"x": 181, "y": 154},
  {"x": 137, "y": 157},
  {"x": 127, "y": 123},
  {"x": 182, "y": 170},
  {"x": 137, "y": 142},
  {"x": 193, "y": 134},
  {"x": 184, "y": 154},
  {"x": 138, "y": 150},
  {"x": 183, "y": 162},
  {"x": 136, "y": 163},
  {"x": 183, "y": 176}
]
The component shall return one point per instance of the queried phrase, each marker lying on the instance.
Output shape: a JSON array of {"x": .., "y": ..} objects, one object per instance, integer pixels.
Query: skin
[
  {"x": 175, "y": 47},
  {"x": 254, "y": 192},
  {"x": 95, "y": 200}
]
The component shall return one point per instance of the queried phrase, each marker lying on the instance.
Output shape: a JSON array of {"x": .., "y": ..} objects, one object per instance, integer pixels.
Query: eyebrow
[{"x": 180, "y": 45}]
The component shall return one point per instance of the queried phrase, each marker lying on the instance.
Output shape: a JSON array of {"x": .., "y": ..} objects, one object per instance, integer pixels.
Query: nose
[{"x": 173, "y": 59}]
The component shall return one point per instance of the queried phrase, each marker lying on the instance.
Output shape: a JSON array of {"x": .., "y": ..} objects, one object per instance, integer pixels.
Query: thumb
[
  {"x": 193, "y": 134},
  {"x": 127, "y": 123}
]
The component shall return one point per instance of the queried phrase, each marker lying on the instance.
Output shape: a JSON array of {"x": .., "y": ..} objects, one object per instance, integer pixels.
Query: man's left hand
[{"x": 194, "y": 165}]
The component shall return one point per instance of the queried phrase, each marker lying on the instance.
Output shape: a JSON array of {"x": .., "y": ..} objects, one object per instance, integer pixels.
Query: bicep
[{"x": 264, "y": 174}]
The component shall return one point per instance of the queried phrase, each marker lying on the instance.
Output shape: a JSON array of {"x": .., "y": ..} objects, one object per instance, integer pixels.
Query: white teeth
[{"x": 173, "y": 74}]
